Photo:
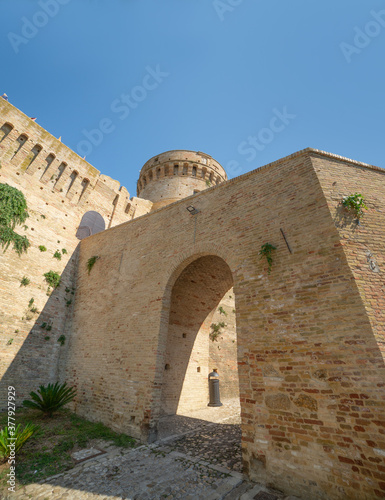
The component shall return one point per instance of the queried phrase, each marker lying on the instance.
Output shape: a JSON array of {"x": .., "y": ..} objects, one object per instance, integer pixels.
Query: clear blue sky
[{"x": 246, "y": 81}]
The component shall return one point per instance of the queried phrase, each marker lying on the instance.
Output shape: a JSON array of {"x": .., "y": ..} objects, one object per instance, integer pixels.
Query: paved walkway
[{"x": 196, "y": 458}]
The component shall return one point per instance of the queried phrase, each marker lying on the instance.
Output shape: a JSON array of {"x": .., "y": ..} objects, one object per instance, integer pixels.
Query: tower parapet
[{"x": 174, "y": 175}]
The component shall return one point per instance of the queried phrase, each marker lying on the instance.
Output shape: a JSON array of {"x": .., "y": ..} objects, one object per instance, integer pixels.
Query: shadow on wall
[{"x": 37, "y": 355}]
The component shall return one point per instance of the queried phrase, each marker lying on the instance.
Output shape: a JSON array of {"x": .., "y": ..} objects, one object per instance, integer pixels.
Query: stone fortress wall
[
  {"x": 60, "y": 187},
  {"x": 310, "y": 334}
]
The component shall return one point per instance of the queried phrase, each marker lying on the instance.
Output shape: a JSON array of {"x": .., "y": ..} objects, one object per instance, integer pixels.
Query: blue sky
[{"x": 246, "y": 81}]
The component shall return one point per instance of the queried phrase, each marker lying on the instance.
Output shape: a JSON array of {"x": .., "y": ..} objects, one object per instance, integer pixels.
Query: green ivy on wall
[{"x": 13, "y": 212}]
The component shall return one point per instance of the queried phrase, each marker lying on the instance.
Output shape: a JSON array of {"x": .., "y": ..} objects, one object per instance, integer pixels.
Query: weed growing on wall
[
  {"x": 25, "y": 281},
  {"x": 13, "y": 212},
  {"x": 216, "y": 330},
  {"x": 356, "y": 203},
  {"x": 42, "y": 248},
  {"x": 91, "y": 262},
  {"x": 52, "y": 278},
  {"x": 266, "y": 252}
]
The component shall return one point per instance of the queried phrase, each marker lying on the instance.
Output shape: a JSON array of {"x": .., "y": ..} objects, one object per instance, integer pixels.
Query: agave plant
[
  {"x": 16, "y": 437},
  {"x": 50, "y": 398}
]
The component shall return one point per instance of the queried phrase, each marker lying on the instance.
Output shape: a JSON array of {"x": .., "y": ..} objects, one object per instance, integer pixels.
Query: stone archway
[{"x": 189, "y": 352}]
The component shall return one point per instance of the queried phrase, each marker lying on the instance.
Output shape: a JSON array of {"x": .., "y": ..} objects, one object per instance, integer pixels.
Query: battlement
[
  {"x": 28, "y": 150},
  {"x": 176, "y": 174}
]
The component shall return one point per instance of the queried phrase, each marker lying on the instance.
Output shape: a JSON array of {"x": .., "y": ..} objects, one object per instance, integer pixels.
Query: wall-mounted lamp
[{"x": 192, "y": 210}]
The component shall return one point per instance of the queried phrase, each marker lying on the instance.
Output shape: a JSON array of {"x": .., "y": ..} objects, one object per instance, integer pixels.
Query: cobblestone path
[{"x": 203, "y": 464}]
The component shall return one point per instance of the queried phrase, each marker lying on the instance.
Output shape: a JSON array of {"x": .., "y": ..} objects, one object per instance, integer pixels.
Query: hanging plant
[
  {"x": 91, "y": 262},
  {"x": 265, "y": 252},
  {"x": 13, "y": 212},
  {"x": 355, "y": 202}
]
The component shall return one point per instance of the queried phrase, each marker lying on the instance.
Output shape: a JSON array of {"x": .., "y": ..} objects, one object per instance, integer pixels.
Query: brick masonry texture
[{"x": 309, "y": 334}]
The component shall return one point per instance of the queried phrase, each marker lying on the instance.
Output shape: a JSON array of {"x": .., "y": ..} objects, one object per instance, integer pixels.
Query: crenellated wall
[{"x": 60, "y": 187}]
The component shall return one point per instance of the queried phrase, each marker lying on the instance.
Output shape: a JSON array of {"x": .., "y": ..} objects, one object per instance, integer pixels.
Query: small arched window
[
  {"x": 50, "y": 158},
  {"x": 21, "y": 140},
  {"x": 61, "y": 169},
  {"x": 92, "y": 222},
  {"x": 34, "y": 152},
  {"x": 150, "y": 175},
  {"x": 194, "y": 171},
  {"x": 166, "y": 169},
  {"x": 72, "y": 180},
  {"x": 176, "y": 169},
  {"x": 84, "y": 186},
  {"x": 5, "y": 130}
]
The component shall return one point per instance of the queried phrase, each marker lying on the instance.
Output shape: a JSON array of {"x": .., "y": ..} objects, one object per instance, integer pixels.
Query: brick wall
[{"x": 309, "y": 358}]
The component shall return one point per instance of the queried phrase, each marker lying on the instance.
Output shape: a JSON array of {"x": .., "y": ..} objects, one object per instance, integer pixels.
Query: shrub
[
  {"x": 52, "y": 278},
  {"x": 42, "y": 248},
  {"x": 21, "y": 434},
  {"x": 57, "y": 255},
  {"x": 51, "y": 398}
]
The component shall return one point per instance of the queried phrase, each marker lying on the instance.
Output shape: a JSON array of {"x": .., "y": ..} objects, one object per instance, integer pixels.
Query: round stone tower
[{"x": 176, "y": 174}]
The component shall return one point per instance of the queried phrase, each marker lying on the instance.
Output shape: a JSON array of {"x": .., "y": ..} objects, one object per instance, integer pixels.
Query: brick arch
[{"x": 194, "y": 290}]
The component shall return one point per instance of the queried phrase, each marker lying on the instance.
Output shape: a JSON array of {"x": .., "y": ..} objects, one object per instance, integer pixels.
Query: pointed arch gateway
[{"x": 198, "y": 295}]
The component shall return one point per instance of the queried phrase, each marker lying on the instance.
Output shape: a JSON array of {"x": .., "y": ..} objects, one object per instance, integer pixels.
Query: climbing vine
[
  {"x": 266, "y": 252},
  {"x": 13, "y": 212}
]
